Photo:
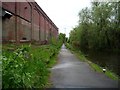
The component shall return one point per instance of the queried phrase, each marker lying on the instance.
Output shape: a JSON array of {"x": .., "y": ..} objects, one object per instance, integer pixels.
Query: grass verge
[
  {"x": 94, "y": 66},
  {"x": 27, "y": 66}
]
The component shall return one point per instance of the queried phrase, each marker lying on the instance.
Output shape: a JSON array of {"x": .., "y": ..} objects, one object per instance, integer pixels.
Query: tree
[
  {"x": 98, "y": 27},
  {"x": 62, "y": 37}
]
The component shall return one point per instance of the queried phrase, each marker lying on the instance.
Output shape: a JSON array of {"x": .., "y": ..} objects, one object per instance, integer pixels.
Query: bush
[
  {"x": 20, "y": 70},
  {"x": 27, "y": 66}
]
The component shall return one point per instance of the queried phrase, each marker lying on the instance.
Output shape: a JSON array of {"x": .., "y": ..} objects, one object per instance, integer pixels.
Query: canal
[{"x": 106, "y": 59}]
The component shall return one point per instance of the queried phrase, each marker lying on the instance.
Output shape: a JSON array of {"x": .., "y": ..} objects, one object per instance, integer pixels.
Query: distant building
[{"x": 26, "y": 22}]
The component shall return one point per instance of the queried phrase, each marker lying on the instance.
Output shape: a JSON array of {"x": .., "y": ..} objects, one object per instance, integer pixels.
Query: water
[{"x": 107, "y": 59}]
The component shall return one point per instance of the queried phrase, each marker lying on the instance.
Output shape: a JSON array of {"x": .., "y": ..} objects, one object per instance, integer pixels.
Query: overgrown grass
[
  {"x": 94, "y": 66},
  {"x": 27, "y": 66},
  {"x": 107, "y": 73}
]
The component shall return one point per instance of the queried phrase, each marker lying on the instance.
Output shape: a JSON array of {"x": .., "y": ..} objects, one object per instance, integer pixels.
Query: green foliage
[
  {"x": 22, "y": 69},
  {"x": 98, "y": 27},
  {"x": 62, "y": 37},
  {"x": 77, "y": 52},
  {"x": 107, "y": 73},
  {"x": 53, "y": 41},
  {"x": 94, "y": 66},
  {"x": 27, "y": 66}
]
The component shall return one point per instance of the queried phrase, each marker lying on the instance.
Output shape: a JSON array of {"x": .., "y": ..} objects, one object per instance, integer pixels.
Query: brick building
[{"x": 26, "y": 21}]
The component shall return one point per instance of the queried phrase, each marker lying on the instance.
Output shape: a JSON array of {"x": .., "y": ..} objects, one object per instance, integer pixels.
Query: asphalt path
[{"x": 70, "y": 72}]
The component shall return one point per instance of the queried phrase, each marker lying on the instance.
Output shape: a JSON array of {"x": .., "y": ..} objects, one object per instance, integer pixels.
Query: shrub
[
  {"x": 27, "y": 66},
  {"x": 21, "y": 69}
]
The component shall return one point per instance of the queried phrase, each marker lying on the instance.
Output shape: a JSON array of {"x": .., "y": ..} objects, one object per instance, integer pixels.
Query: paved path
[{"x": 72, "y": 73}]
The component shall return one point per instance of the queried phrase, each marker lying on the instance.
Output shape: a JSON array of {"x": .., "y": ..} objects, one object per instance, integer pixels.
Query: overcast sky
[{"x": 64, "y": 13}]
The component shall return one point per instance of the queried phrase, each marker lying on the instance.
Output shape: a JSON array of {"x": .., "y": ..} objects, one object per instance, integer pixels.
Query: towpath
[{"x": 70, "y": 72}]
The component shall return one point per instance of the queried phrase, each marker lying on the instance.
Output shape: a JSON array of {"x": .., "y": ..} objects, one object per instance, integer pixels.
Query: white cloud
[{"x": 64, "y": 13}]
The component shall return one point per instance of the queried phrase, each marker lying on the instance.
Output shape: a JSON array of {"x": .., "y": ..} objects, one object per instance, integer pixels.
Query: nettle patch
[{"x": 26, "y": 67}]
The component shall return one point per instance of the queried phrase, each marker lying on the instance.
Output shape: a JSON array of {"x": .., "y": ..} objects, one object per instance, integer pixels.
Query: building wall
[
  {"x": 47, "y": 30},
  {"x": 8, "y": 29},
  {"x": 27, "y": 22},
  {"x": 10, "y": 6},
  {"x": 36, "y": 25},
  {"x": 25, "y": 30},
  {"x": 42, "y": 28},
  {"x": 25, "y": 10}
]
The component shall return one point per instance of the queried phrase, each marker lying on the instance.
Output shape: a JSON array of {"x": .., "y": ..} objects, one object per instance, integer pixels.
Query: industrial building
[{"x": 26, "y": 22}]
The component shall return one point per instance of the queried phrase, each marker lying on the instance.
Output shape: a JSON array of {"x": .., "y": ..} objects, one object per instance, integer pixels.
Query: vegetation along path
[{"x": 73, "y": 73}]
